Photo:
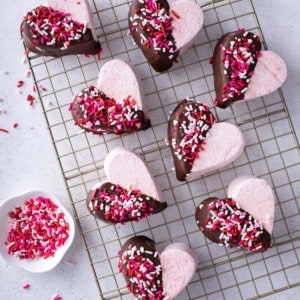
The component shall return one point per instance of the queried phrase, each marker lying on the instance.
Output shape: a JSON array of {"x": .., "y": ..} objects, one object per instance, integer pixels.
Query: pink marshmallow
[
  {"x": 118, "y": 80},
  {"x": 269, "y": 74},
  {"x": 256, "y": 197},
  {"x": 80, "y": 11},
  {"x": 179, "y": 263},
  {"x": 127, "y": 169},
  {"x": 188, "y": 25},
  {"x": 224, "y": 144}
]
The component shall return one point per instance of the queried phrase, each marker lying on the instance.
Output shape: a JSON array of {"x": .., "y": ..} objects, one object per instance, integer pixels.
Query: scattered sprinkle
[
  {"x": 26, "y": 286},
  {"x": 4, "y": 130},
  {"x": 15, "y": 125},
  {"x": 20, "y": 83}
]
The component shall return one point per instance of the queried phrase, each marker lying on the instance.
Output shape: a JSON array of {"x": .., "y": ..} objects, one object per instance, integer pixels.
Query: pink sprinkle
[
  {"x": 26, "y": 286},
  {"x": 56, "y": 297}
]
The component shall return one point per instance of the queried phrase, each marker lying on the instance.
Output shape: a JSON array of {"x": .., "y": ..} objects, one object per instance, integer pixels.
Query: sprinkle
[
  {"x": 30, "y": 99},
  {"x": 26, "y": 286},
  {"x": 4, "y": 130},
  {"x": 99, "y": 54},
  {"x": 20, "y": 83},
  {"x": 15, "y": 125},
  {"x": 56, "y": 297}
]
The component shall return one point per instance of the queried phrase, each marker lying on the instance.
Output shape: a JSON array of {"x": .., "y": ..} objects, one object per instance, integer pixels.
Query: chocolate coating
[
  {"x": 176, "y": 133},
  {"x": 85, "y": 45},
  {"x": 160, "y": 61},
  {"x": 110, "y": 211},
  {"x": 220, "y": 78},
  {"x": 142, "y": 244},
  {"x": 97, "y": 127},
  {"x": 203, "y": 216}
]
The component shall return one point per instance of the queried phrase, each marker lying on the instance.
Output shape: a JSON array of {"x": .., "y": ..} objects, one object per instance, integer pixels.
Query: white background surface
[{"x": 27, "y": 157}]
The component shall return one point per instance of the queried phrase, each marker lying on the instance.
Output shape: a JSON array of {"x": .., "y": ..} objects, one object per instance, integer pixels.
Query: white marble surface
[{"x": 27, "y": 157}]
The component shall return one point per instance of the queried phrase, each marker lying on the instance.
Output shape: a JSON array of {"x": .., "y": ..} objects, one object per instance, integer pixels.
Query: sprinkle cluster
[
  {"x": 50, "y": 27},
  {"x": 193, "y": 125},
  {"x": 120, "y": 205},
  {"x": 145, "y": 275},
  {"x": 37, "y": 229},
  {"x": 100, "y": 114},
  {"x": 155, "y": 27},
  {"x": 239, "y": 62},
  {"x": 236, "y": 225}
]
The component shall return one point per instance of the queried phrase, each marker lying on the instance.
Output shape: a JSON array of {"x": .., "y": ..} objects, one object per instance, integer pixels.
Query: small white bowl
[{"x": 37, "y": 265}]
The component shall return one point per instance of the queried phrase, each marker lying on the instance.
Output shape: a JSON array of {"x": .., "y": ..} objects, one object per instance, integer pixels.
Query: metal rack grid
[{"x": 271, "y": 152}]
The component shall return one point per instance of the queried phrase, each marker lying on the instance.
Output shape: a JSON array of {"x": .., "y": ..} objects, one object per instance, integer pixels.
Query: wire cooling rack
[{"x": 271, "y": 152}]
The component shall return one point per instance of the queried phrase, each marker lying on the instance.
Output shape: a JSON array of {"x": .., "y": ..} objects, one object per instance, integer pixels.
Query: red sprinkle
[
  {"x": 20, "y": 83},
  {"x": 15, "y": 125},
  {"x": 37, "y": 229},
  {"x": 4, "y": 130},
  {"x": 30, "y": 99},
  {"x": 56, "y": 297}
]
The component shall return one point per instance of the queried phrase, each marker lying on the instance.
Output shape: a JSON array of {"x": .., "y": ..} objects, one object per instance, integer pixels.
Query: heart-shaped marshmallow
[
  {"x": 115, "y": 105},
  {"x": 164, "y": 31},
  {"x": 61, "y": 28},
  {"x": 130, "y": 193},
  {"x": 198, "y": 144},
  {"x": 245, "y": 219},
  {"x": 150, "y": 275},
  {"x": 256, "y": 197},
  {"x": 242, "y": 71}
]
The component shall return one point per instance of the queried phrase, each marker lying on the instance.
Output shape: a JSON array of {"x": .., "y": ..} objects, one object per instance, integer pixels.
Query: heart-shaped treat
[
  {"x": 245, "y": 219},
  {"x": 150, "y": 275},
  {"x": 242, "y": 71},
  {"x": 130, "y": 193},
  {"x": 198, "y": 144},
  {"x": 115, "y": 105},
  {"x": 61, "y": 28},
  {"x": 164, "y": 31}
]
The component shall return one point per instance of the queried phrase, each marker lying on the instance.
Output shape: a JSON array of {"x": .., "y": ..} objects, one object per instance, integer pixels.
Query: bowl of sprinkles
[{"x": 36, "y": 231}]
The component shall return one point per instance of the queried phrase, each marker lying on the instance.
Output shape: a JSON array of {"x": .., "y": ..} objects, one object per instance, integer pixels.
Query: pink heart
[
  {"x": 149, "y": 273},
  {"x": 130, "y": 192},
  {"x": 41, "y": 33},
  {"x": 245, "y": 219},
  {"x": 164, "y": 31},
  {"x": 198, "y": 144},
  {"x": 115, "y": 105},
  {"x": 242, "y": 71}
]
